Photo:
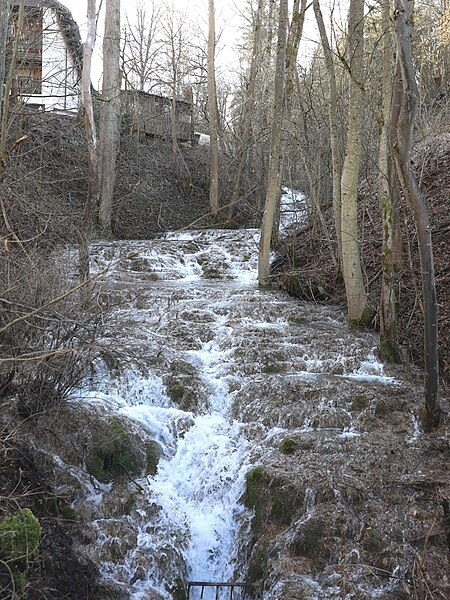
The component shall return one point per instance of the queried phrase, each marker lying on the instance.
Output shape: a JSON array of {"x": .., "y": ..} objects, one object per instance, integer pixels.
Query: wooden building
[
  {"x": 49, "y": 59},
  {"x": 150, "y": 115}
]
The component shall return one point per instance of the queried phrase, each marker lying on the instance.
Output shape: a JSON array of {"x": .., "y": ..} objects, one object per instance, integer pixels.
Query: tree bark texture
[
  {"x": 246, "y": 129},
  {"x": 109, "y": 126},
  {"x": 292, "y": 45},
  {"x": 388, "y": 320},
  {"x": 213, "y": 114},
  {"x": 276, "y": 151},
  {"x": 91, "y": 139},
  {"x": 402, "y": 151},
  {"x": 357, "y": 303},
  {"x": 333, "y": 118},
  {"x": 8, "y": 87},
  {"x": 4, "y": 23}
]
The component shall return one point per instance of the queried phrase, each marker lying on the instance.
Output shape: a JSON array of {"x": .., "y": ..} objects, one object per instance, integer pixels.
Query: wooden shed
[{"x": 150, "y": 115}]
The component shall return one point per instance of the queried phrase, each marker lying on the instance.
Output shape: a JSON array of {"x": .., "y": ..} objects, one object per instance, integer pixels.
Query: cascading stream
[{"x": 213, "y": 350}]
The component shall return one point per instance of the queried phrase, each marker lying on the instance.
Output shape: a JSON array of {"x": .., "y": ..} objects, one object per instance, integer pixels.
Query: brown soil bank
[
  {"x": 305, "y": 269},
  {"x": 45, "y": 187}
]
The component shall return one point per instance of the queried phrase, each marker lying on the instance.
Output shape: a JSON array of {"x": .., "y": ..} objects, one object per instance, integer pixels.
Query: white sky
[{"x": 228, "y": 21}]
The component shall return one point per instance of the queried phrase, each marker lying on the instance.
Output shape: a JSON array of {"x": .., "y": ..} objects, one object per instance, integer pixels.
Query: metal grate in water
[{"x": 225, "y": 590}]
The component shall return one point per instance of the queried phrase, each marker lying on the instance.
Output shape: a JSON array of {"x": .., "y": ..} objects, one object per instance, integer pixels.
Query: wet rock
[
  {"x": 115, "y": 452},
  {"x": 309, "y": 538},
  {"x": 184, "y": 386},
  {"x": 121, "y": 537}
]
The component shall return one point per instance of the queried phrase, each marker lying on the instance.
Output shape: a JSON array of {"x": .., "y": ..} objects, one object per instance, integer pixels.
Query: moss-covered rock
[
  {"x": 255, "y": 492},
  {"x": 183, "y": 396},
  {"x": 152, "y": 455},
  {"x": 273, "y": 500},
  {"x": 257, "y": 564},
  {"x": 308, "y": 538},
  {"x": 179, "y": 591},
  {"x": 114, "y": 452},
  {"x": 19, "y": 536},
  {"x": 288, "y": 446}
]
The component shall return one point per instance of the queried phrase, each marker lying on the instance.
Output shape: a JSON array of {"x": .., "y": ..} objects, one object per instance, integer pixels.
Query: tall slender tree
[
  {"x": 4, "y": 24},
  {"x": 388, "y": 320},
  {"x": 141, "y": 47},
  {"x": 357, "y": 301},
  {"x": 8, "y": 86},
  {"x": 333, "y": 119},
  {"x": 249, "y": 105},
  {"x": 276, "y": 151},
  {"x": 109, "y": 127},
  {"x": 213, "y": 113},
  {"x": 91, "y": 138}
]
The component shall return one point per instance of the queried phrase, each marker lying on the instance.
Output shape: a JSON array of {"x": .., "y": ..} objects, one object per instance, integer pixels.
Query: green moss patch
[
  {"x": 273, "y": 500},
  {"x": 254, "y": 496},
  {"x": 19, "y": 535},
  {"x": 359, "y": 403},
  {"x": 183, "y": 396},
  {"x": 289, "y": 446},
  {"x": 366, "y": 320},
  {"x": 113, "y": 452},
  {"x": 152, "y": 456},
  {"x": 389, "y": 351}
]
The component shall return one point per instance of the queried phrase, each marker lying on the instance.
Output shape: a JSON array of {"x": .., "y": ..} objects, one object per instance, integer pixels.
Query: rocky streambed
[{"x": 232, "y": 433}]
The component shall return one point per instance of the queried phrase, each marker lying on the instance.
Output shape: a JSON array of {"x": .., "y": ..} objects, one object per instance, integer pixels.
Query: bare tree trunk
[
  {"x": 402, "y": 153},
  {"x": 357, "y": 302},
  {"x": 294, "y": 36},
  {"x": 397, "y": 242},
  {"x": 389, "y": 348},
  {"x": 4, "y": 23},
  {"x": 332, "y": 111},
  {"x": 213, "y": 114},
  {"x": 8, "y": 88},
  {"x": 248, "y": 108},
  {"x": 292, "y": 46},
  {"x": 91, "y": 138},
  {"x": 276, "y": 151},
  {"x": 266, "y": 67},
  {"x": 109, "y": 134},
  {"x": 173, "y": 112}
]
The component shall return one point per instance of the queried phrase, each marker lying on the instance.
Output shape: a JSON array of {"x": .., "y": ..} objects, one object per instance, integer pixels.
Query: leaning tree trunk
[
  {"x": 389, "y": 348},
  {"x": 91, "y": 138},
  {"x": 402, "y": 152},
  {"x": 213, "y": 114},
  {"x": 109, "y": 114},
  {"x": 276, "y": 151},
  {"x": 357, "y": 302}
]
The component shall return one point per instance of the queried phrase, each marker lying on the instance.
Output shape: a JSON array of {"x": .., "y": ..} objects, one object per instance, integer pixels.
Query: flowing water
[{"x": 205, "y": 355}]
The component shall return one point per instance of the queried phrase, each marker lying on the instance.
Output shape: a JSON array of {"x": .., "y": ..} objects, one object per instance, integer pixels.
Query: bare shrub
[{"x": 46, "y": 347}]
